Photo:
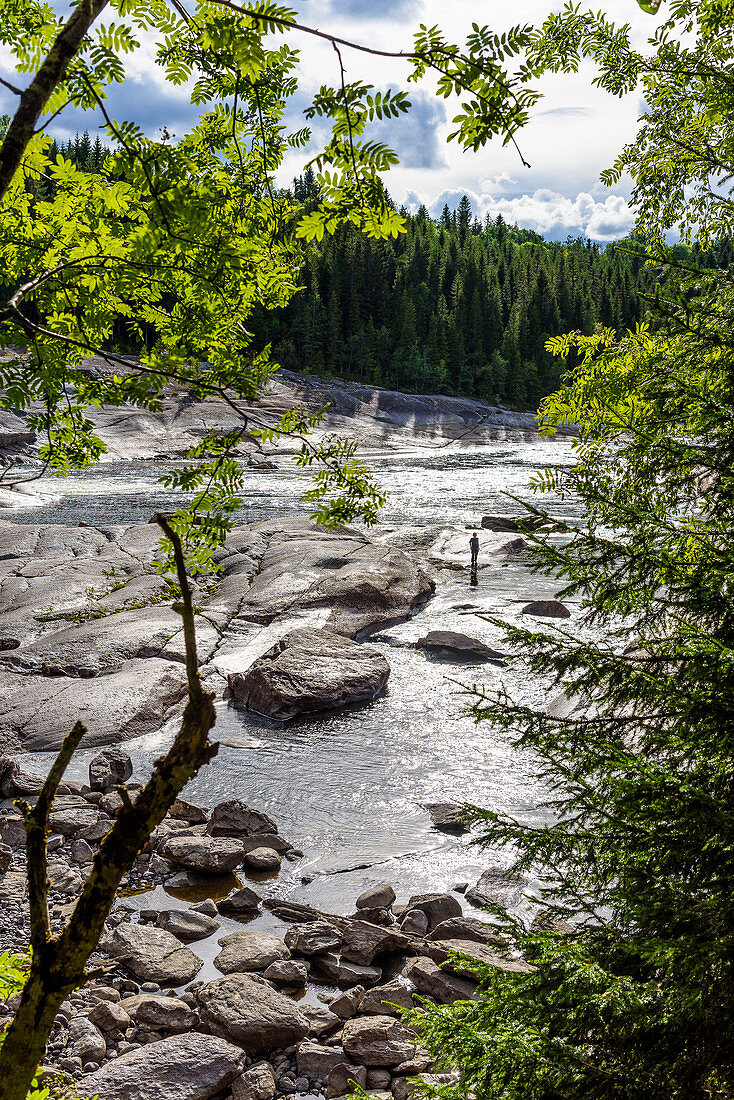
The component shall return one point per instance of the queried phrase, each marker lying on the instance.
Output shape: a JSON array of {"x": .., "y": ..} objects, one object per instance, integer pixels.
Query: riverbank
[{"x": 86, "y": 621}]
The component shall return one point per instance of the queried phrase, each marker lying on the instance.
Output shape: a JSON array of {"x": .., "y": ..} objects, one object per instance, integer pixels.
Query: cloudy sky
[{"x": 575, "y": 132}]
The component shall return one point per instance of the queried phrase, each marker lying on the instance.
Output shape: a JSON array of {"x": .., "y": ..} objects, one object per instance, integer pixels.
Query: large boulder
[
  {"x": 243, "y": 951},
  {"x": 152, "y": 954},
  {"x": 251, "y": 1013},
  {"x": 182, "y": 1067},
  {"x": 378, "y": 1041},
  {"x": 207, "y": 855},
  {"x": 458, "y": 647},
  {"x": 309, "y": 671}
]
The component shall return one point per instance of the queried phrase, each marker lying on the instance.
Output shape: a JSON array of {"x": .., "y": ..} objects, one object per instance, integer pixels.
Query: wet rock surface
[{"x": 94, "y": 635}]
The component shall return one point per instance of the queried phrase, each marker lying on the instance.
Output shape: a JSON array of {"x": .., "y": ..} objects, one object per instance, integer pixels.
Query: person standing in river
[{"x": 474, "y": 547}]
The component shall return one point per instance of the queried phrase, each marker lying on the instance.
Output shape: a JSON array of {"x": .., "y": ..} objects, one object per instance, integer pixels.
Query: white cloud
[{"x": 547, "y": 212}]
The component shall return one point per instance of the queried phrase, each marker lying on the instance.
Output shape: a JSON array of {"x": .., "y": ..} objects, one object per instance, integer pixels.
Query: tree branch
[
  {"x": 36, "y": 826},
  {"x": 47, "y": 79}
]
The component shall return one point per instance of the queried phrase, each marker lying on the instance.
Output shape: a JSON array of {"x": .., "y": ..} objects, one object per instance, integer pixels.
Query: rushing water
[{"x": 349, "y": 788}]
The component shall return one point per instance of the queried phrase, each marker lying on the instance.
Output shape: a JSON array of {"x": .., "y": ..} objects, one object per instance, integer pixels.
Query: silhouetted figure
[{"x": 474, "y": 547}]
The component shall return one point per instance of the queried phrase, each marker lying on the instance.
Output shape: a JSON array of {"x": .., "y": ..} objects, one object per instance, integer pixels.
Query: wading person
[{"x": 474, "y": 547}]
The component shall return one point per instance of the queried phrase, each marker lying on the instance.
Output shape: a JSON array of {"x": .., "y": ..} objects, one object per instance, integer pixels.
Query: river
[{"x": 349, "y": 788}]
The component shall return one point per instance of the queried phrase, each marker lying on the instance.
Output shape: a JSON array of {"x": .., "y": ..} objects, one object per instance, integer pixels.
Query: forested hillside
[
  {"x": 453, "y": 305},
  {"x": 457, "y": 305}
]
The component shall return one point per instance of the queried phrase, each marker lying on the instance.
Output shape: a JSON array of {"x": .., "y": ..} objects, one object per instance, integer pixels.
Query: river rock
[
  {"x": 309, "y": 671},
  {"x": 152, "y": 954},
  {"x": 437, "y": 907},
  {"x": 243, "y": 951},
  {"x": 6, "y": 857},
  {"x": 508, "y": 523},
  {"x": 12, "y": 829},
  {"x": 378, "y": 1041},
  {"x": 458, "y": 647},
  {"x": 497, "y": 887},
  {"x": 186, "y": 925},
  {"x": 440, "y": 951},
  {"x": 287, "y": 973},
  {"x": 249, "y": 1011},
  {"x": 72, "y": 821},
  {"x": 182, "y": 1067},
  {"x": 407, "y": 1087},
  {"x": 550, "y": 609},
  {"x": 321, "y": 1021},
  {"x": 467, "y": 928},
  {"x": 376, "y": 897},
  {"x": 262, "y": 859},
  {"x": 86, "y": 1041},
  {"x": 109, "y": 769},
  {"x": 386, "y": 1000},
  {"x": 256, "y": 1083},
  {"x": 343, "y": 973},
  {"x": 187, "y": 811},
  {"x": 445, "y": 817},
  {"x": 313, "y": 938},
  {"x": 109, "y": 1016},
  {"x": 430, "y": 979},
  {"x": 343, "y": 1077},
  {"x": 244, "y": 900},
  {"x": 207, "y": 855},
  {"x": 160, "y": 1012},
  {"x": 235, "y": 818},
  {"x": 414, "y": 923},
  {"x": 314, "y": 1060},
  {"x": 362, "y": 942}
]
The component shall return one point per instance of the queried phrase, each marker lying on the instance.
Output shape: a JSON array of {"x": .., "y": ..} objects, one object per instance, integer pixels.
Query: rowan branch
[
  {"x": 36, "y": 826},
  {"x": 35, "y": 97}
]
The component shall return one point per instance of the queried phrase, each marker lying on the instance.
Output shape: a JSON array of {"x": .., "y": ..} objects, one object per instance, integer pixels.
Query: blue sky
[{"x": 575, "y": 131}]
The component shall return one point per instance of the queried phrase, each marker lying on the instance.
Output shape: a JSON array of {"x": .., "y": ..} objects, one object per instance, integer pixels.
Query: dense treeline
[
  {"x": 456, "y": 305},
  {"x": 453, "y": 305}
]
